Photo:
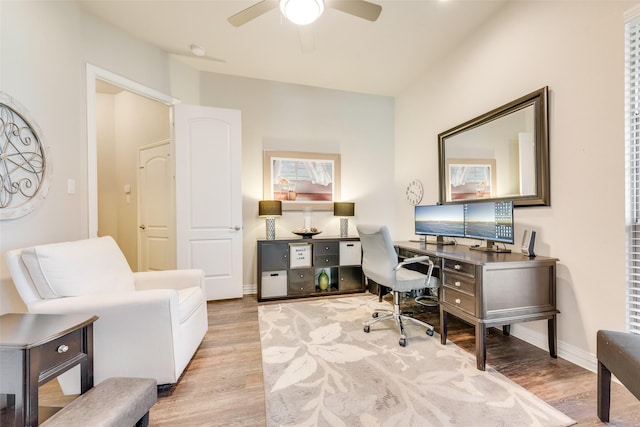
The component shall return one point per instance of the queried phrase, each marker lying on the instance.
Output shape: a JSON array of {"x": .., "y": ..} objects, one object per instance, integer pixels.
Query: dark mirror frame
[{"x": 539, "y": 99}]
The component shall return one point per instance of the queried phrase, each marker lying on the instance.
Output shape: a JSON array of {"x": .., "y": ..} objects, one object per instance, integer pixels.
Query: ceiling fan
[{"x": 289, "y": 8}]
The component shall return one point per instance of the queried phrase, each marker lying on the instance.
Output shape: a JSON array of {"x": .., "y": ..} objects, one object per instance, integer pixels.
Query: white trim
[
  {"x": 94, "y": 73},
  {"x": 631, "y": 14},
  {"x": 250, "y": 289}
]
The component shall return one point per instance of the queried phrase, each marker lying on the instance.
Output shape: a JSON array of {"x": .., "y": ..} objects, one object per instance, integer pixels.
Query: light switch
[
  {"x": 71, "y": 186},
  {"x": 127, "y": 189}
]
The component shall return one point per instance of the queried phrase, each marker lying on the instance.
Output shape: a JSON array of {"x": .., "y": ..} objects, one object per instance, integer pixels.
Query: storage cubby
[{"x": 290, "y": 268}]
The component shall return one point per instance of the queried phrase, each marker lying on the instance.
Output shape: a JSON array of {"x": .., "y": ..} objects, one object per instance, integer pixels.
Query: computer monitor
[
  {"x": 489, "y": 221},
  {"x": 440, "y": 221}
]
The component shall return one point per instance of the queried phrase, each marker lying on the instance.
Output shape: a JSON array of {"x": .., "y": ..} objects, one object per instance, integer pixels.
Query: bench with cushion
[
  {"x": 618, "y": 354},
  {"x": 115, "y": 402}
]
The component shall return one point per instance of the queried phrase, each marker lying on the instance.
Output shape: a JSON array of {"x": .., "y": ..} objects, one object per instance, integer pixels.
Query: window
[{"x": 632, "y": 153}]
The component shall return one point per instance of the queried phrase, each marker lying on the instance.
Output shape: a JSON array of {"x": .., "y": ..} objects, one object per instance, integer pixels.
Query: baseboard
[
  {"x": 250, "y": 289},
  {"x": 567, "y": 352}
]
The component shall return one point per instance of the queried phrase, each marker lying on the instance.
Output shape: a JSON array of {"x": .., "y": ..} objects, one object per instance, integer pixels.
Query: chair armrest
[
  {"x": 169, "y": 279},
  {"x": 413, "y": 261}
]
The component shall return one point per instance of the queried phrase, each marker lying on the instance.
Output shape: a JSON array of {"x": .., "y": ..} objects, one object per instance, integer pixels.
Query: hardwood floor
[{"x": 222, "y": 386}]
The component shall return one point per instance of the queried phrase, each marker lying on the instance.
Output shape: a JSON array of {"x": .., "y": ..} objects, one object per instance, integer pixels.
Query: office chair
[{"x": 380, "y": 264}]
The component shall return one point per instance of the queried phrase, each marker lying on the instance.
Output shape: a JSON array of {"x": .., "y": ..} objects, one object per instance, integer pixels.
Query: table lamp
[
  {"x": 344, "y": 210},
  {"x": 270, "y": 209}
]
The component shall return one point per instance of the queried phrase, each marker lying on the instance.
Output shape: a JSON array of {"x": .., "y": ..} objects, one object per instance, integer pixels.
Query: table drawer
[
  {"x": 461, "y": 267},
  {"x": 325, "y": 260},
  {"x": 326, "y": 248},
  {"x": 61, "y": 350},
  {"x": 301, "y": 281},
  {"x": 458, "y": 299},
  {"x": 460, "y": 283}
]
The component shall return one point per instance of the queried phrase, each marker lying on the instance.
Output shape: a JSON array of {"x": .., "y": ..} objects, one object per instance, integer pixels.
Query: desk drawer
[
  {"x": 460, "y": 283},
  {"x": 458, "y": 299},
  {"x": 461, "y": 267},
  {"x": 301, "y": 281},
  {"x": 61, "y": 350}
]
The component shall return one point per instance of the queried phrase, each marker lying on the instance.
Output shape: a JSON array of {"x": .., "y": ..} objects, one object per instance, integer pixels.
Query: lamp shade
[
  {"x": 343, "y": 208},
  {"x": 269, "y": 208}
]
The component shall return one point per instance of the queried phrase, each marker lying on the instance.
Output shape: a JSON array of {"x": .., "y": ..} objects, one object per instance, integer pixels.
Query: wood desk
[
  {"x": 35, "y": 348},
  {"x": 491, "y": 289}
]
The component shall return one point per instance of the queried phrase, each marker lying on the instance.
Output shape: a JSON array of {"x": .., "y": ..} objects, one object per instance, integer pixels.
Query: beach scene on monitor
[
  {"x": 440, "y": 220},
  {"x": 490, "y": 221}
]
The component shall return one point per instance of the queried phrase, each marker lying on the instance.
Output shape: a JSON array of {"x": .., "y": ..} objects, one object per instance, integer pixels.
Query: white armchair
[{"x": 149, "y": 324}]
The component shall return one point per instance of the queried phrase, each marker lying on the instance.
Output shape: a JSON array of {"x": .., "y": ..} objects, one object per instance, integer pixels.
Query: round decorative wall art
[{"x": 24, "y": 168}]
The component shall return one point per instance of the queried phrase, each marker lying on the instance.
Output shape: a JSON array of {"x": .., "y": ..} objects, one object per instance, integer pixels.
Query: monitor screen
[
  {"x": 491, "y": 221},
  {"x": 440, "y": 220}
]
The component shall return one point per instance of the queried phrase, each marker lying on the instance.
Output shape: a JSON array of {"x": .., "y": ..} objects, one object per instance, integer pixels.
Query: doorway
[{"x": 125, "y": 117}]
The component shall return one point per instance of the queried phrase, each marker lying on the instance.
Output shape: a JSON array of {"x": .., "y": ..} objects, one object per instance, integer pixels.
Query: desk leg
[
  {"x": 506, "y": 330},
  {"x": 552, "y": 333},
  {"x": 443, "y": 326},
  {"x": 481, "y": 345}
]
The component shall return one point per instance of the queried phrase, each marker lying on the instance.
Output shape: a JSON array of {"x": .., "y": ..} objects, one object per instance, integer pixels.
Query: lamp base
[
  {"x": 271, "y": 228},
  {"x": 344, "y": 227}
]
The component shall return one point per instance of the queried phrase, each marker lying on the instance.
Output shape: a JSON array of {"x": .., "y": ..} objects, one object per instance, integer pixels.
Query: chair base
[{"x": 398, "y": 316}]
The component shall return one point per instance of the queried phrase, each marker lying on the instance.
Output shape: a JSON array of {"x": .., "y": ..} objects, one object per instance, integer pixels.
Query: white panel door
[
  {"x": 155, "y": 208},
  {"x": 208, "y": 196}
]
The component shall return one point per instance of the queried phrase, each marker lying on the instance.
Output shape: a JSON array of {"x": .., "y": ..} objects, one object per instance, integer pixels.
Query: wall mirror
[{"x": 500, "y": 155}]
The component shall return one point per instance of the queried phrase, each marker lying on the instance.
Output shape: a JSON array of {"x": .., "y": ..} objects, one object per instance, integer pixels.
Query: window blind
[{"x": 632, "y": 153}]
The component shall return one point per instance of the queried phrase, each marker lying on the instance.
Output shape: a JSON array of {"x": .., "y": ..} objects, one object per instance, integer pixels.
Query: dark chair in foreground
[
  {"x": 618, "y": 354},
  {"x": 380, "y": 264}
]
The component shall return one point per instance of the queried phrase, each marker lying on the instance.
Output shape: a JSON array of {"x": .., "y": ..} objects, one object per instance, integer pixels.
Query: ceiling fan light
[{"x": 302, "y": 12}]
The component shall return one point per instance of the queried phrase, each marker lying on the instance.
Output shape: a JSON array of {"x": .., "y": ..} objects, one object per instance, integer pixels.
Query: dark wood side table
[{"x": 35, "y": 348}]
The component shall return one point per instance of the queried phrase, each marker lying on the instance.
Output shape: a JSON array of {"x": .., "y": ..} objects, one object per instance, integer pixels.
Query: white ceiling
[{"x": 349, "y": 53}]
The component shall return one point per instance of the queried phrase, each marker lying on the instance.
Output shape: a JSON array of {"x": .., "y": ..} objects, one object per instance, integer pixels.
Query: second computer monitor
[{"x": 439, "y": 220}]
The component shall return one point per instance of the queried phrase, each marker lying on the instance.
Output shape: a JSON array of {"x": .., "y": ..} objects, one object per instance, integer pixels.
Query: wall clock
[
  {"x": 24, "y": 169},
  {"x": 414, "y": 192}
]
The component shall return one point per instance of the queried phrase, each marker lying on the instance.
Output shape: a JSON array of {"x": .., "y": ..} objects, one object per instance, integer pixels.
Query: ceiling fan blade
[
  {"x": 307, "y": 39},
  {"x": 360, "y": 8},
  {"x": 252, "y": 12}
]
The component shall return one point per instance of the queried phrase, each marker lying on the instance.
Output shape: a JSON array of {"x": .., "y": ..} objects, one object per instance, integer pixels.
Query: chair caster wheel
[
  {"x": 403, "y": 342},
  {"x": 367, "y": 329},
  {"x": 430, "y": 332},
  {"x": 375, "y": 314}
]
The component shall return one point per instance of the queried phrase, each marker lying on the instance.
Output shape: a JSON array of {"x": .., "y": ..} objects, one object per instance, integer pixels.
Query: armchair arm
[
  {"x": 155, "y": 303},
  {"x": 169, "y": 279}
]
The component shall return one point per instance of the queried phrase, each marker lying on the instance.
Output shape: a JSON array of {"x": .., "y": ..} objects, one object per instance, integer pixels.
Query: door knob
[
  {"x": 142, "y": 227},
  {"x": 237, "y": 227}
]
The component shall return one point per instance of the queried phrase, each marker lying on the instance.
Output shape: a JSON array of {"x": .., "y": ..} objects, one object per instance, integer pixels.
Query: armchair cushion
[{"x": 86, "y": 267}]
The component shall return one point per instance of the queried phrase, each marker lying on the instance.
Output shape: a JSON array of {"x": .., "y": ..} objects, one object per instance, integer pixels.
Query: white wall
[
  {"x": 286, "y": 117},
  {"x": 577, "y": 49},
  {"x": 43, "y": 66}
]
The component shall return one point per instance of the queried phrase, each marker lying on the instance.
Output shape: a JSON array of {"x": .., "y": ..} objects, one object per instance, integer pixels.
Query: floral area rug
[{"x": 322, "y": 369}]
